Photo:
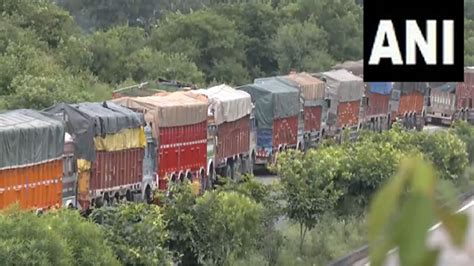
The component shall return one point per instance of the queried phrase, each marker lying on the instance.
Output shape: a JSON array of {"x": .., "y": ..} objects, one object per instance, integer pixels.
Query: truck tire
[
  {"x": 227, "y": 171},
  {"x": 236, "y": 169}
]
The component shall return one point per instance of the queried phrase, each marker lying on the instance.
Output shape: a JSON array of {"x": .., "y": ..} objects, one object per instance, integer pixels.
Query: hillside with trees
[{"x": 79, "y": 50}]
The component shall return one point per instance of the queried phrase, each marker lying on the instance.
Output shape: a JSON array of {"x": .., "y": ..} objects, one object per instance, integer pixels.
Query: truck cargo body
[
  {"x": 442, "y": 103},
  {"x": 313, "y": 93},
  {"x": 233, "y": 139},
  {"x": 179, "y": 128},
  {"x": 114, "y": 171},
  {"x": 229, "y": 112},
  {"x": 182, "y": 152},
  {"x": 312, "y": 118},
  {"x": 33, "y": 187},
  {"x": 346, "y": 91},
  {"x": 31, "y": 161},
  {"x": 465, "y": 96},
  {"x": 408, "y": 103},
  {"x": 348, "y": 114},
  {"x": 109, "y": 147},
  {"x": 277, "y": 113}
]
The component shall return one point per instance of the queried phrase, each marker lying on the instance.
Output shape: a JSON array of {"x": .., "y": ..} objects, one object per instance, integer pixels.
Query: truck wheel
[
  {"x": 236, "y": 169},
  {"x": 250, "y": 163},
  {"x": 227, "y": 171}
]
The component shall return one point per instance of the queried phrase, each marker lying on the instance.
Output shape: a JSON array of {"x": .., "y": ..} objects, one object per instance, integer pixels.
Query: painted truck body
[
  {"x": 442, "y": 103},
  {"x": 31, "y": 163},
  {"x": 180, "y": 132},
  {"x": 346, "y": 92},
  {"x": 109, "y": 147},
  {"x": 277, "y": 111},
  {"x": 408, "y": 103},
  {"x": 229, "y": 126},
  {"x": 465, "y": 96},
  {"x": 313, "y": 94},
  {"x": 377, "y": 107}
]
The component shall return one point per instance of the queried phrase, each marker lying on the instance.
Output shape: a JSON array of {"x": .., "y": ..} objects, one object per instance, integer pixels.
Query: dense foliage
[
  {"x": 62, "y": 238},
  {"x": 75, "y": 50}
]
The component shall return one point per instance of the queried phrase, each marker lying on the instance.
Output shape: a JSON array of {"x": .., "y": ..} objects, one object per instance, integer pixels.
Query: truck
[
  {"x": 109, "y": 148},
  {"x": 441, "y": 106},
  {"x": 315, "y": 105},
  {"x": 31, "y": 162},
  {"x": 346, "y": 92},
  {"x": 408, "y": 103},
  {"x": 179, "y": 126},
  {"x": 277, "y": 110},
  {"x": 229, "y": 125},
  {"x": 376, "y": 98},
  {"x": 376, "y": 105},
  {"x": 465, "y": 97}
]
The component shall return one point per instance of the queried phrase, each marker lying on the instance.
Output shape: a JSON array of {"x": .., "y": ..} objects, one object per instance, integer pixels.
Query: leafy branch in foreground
[{"x": 402, "y": 212}]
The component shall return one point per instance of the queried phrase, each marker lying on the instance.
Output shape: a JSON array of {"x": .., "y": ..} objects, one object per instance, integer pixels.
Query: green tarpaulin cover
[
  {"x": 272, "y": 99},
  {"x": 29, "y": 137}
]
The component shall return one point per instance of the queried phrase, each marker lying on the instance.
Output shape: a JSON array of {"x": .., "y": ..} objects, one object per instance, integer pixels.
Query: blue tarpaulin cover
[{"x": 384, "y": 88}]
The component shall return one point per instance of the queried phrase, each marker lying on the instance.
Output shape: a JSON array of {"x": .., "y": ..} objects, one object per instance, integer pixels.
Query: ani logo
[{"x": 413, "y": 40}]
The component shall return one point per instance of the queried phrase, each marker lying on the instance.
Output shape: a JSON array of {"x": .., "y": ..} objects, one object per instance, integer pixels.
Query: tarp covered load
[
  {"x": 29, "y": 137},
  {"x": 356, "y": 67},
  {"x": 272, "y": 99},
  {"x": 384, "y": 88},
  {"x": 125, "y": 139},
  {"x": 312, "y": 89},
  {"x": 443, "y": 86},
  {"x": 169, "y": 109},
  {"x": 410, "y": 87},
  {"x": 227, "y": 104},
  {"x": 89, "y": 123},
  {"x": 343, "y": 86}
]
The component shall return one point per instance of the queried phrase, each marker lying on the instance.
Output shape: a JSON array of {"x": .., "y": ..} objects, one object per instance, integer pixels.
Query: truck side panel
[
  {"x": 233, "y": 138},
  {"x": 36, "y": 186},
  {"x": 465, "y": 92},
  {"x": 378, "y": 104},
  {"x": 312, "y": 118},
  {"x": 117, "y": 168},
  {"x": 181, "y": 148},
  {"x": 412, "y": 102},
  {"x": 348, "y": 113},
  {"x": 285, "y": 131}
]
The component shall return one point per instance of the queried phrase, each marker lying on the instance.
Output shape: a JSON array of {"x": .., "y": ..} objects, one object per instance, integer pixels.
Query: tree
[
  {"x": 307, "y": 193},
  {"x": 51, "y": 23},
  {"x": 341, "y": 20},
  {"x": 62, "y": 238},
  {"x": 84, "y": 238},
  {"x": 136, "y": 232},
  {"x": 208, "y": 39},
  {"x": 302, "y": 46},
  {"x": 148, "y": 64},
  {"x": 110, "y": 51},
  {"x": 258, "y": 22},
  {"x": 228, "y": 224},
  {"x": 469, "y": 42}
]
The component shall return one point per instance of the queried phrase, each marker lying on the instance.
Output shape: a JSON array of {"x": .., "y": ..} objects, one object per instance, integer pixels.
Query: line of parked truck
[{"x": 86, "y": 155}]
